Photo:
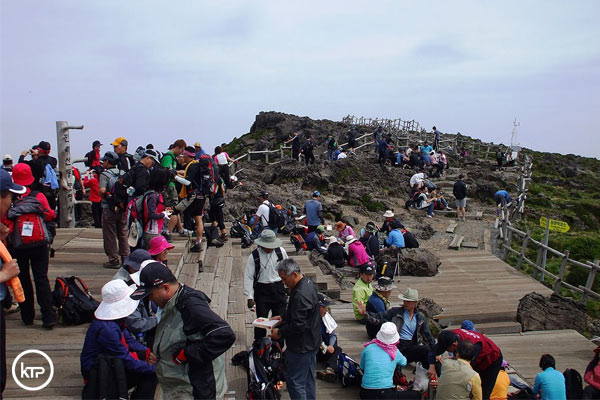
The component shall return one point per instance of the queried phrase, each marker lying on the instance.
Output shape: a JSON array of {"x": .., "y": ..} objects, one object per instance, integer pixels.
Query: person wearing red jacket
[
  {"x": 92, "y": 183},
  {"x": 487, "y": 360},
  {"x": 37, "y": 257}
]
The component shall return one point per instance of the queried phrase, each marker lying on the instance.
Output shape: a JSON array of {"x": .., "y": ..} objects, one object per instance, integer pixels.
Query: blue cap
[
  {"x": 316, "y": 193},
  {"x": 111, "y": 157},
  {"x": 7, "y": 184},
  {"x": 136, "y": 258}
]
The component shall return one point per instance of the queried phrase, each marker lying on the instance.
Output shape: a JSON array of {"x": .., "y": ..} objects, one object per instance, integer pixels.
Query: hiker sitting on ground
[
  {"x": 132, "y": 264},
  {"x": 418, "y": 178},
  {"x": 458, "y": 379},
  {"x": 395, "y": 237},
  {"x": 592, "y": 377},
  {"x": 315, "y": 240},
  {"x": 335, "y": 253},
  {"x": 389, "y": 218},
  {"x": 378, "y": 361},
  {"x": 549, "y": 384},
  {"x": 413, "y": 157},
  {"x": 378, "y": 302},
  {"x": 329, "y": 350},
  {"x": 362, "y": 289},
  {"x": 440, "y": 201},
  {"x": 356, "y": 252},
  {"x": 401, "y": 158},
  {"x": 344, "y": 230},
  {"x": 369, "y": 240},
  {"x": 424, "y": 202},
  {"x": 159, "y": 249},
  {"x": 108, "y": 336},
  {"x": 415, "y": 337},
  {"x": 500, "y": 391}
]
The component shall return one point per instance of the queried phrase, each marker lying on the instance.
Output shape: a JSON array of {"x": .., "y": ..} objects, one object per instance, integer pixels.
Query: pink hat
[{"x": 158, "y": 245}]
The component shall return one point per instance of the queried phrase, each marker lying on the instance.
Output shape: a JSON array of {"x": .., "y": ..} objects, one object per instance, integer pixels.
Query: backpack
[
  {"x": 257, "y": 265},
  {"x": 266, "y": 369},
  {"x": 75, "y": 304},
  {"x": 573, "y": 384},
  {"x": 207, "y": 171},
  {"x": 331, "y": 145},
  {"x": 410, "y": 241},
  {"x": 117, "y": 197},
  {"x": 386, "y": 268},
  {"x": 276, "y": 217},
  {"x": 298, "y": 241},
  {"x": 29, "y": 228},
  {"x": 107, "y": 379},
  {"x": 137, "y": 209},
  {"x": 49, "y": 179},
  {"x": 348, "y": 370}
]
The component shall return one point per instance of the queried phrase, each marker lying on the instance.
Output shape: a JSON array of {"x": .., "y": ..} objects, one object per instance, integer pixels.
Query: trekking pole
[{"x": 14, "y": 283}]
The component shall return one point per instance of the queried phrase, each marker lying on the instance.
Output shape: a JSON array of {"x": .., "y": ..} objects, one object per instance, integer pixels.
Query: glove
[
  {"x": 180, "y": 358},
  {"x": 251, "y": 303}
]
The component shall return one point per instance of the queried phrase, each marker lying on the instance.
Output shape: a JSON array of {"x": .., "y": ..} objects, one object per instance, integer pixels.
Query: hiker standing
[
  {"x": 262, "y": 285},
  {"x": 308, "y": 150},
  {"x": 126, "y": 161},
  {"x": 93, "y": 156},
  {"x": 295, "y": 140},
  {"x": 460, "y": 193},
  {"x": 314, "y": 211},
  {"x": 436, "y": 138},
  {"x": 114, "y": 220},
  {"x": 300, "y": 327},
  {"x": 352, "y": 139},
  {"x": 331, "y": 147}
]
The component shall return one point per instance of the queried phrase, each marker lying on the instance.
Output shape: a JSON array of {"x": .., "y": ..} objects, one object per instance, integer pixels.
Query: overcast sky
[{"x": 158, "y": 71}]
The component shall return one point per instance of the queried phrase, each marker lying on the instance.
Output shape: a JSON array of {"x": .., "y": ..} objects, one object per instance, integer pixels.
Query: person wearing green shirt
[
  {"x": 362, "y": 289},
  {"x": 169, "y": 161}
]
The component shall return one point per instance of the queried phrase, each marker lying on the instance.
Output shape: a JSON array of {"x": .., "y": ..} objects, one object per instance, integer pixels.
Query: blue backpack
[{"x": 348, "y": 371}]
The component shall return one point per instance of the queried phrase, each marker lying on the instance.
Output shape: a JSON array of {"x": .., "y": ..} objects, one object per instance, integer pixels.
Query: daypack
[
  {"x": 573, "y": 384},
  {"x": 117, "y": 197},
  {"x": 276, "y": 217},
  {"x": 348, "y": 370},
  {"x": 331, "y": 145},
  {"x": 49, "y": 178},
  {"x": 137, "y": 210},
  {"x": 72, "y": 297},
  {"x": 298, "y": 241},
  {"x": 414, "y": 201},
  {"x": 29, "y": 229},
  {"x": 266, "y": 369},
  {"x": 207, "y": 171},
  {"x": 410, "y": 241},
  {"x": 257, "y": 265},
  {"x": 386, "y": 268},
  {"x": 107, "y": 379}
]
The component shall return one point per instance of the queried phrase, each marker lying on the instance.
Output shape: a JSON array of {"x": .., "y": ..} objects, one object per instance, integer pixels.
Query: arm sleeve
[
  {"x": 377, "y": 318},
  {"x": 136, "y": 323},
  {"x": 49, "y": 215},
  {"x": 110, "y": 341},
  {"x": 133, "y": 344},
  {"x": 537, "y": 384},
  {"x": 332, "y": 339},
  {"x": 363, "y": 357},
  {"x": 199, "y": 318},
  {"x": 400, "y": 359},
  {"x": 249, "y": 277},
  {"x": 476, "y": 391},
  {"x": 299, "y": 319}
]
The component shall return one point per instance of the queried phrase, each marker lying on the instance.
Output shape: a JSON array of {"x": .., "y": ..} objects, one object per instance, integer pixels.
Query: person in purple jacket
[{"x": 107, "y": 335}]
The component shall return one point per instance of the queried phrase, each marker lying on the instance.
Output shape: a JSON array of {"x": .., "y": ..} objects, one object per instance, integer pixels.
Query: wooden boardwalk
[{"x": 471, "y": 284}]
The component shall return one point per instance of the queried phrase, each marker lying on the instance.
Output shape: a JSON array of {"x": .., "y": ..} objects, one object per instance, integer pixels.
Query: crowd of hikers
[{"x": 151, "y": 330}]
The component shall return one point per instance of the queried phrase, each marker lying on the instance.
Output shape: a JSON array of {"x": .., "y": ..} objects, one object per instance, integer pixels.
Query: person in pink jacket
[
  {"x": 344, "y": 230},
  {"x": 357, "y": 254}
]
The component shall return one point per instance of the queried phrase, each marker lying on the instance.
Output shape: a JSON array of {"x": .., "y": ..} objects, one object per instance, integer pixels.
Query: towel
[{"x": 329, "y": 323}]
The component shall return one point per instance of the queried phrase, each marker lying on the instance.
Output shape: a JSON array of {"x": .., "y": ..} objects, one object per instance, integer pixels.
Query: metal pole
[{"x": 66, "y": 197}]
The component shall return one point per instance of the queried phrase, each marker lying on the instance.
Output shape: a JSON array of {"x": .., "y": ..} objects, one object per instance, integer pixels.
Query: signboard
[{"x": 555, "y": 225}]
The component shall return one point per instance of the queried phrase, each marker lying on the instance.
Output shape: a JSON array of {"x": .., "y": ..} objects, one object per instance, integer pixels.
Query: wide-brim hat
[
  {"x": 116, "y": 301},
  {"x": 388, "y": 214},
  {"x": 388, "y": 333},
  {"x": 409, "y": 295},
  {"x": 159, "y": 244},
  {"x": 384, "y": 284},
  {"x": 340, "y": 226},
  {"x": 332, "y": 240},
  {"x": 22, "y": 175},
  {"x": 135, "y": 233},
  {"x": 350, "y": 239},
  {"x": 268, "y": 240}
]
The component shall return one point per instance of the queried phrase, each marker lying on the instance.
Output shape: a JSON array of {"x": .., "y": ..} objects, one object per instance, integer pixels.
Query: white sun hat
[
  {"x": 388, "y": 333},
  {"x": 116, "y": 303}
]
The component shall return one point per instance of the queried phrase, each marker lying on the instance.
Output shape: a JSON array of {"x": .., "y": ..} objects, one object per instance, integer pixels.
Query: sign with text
[{"x": 555, "y": 225}]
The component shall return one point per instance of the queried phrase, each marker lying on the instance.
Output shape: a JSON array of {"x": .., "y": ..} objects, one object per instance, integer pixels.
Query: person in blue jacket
[
  {"x": 550, "y": 383},
  {"x": 107, "y": 335},
  {"x": 314, "y": 240},
  {"x": 395, "y": 236},
  {"x": 502, "y": 197}
]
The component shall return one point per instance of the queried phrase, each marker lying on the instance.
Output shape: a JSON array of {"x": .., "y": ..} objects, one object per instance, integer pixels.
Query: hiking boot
[
  {"x": 223, "y": 237},
  {"x": 448, "y": 208},
  {"x": 429, "y": 216},
  {"x": 48, "y": 325},
  {"x": 216, "y": 243},
  {"x": 196, "y": 248},
  {"x": 112, "y": 264},
  {"x": 14, "y": 307},
  {"x": 327, "y": 375},
  {"x": 184, "y": 232}
]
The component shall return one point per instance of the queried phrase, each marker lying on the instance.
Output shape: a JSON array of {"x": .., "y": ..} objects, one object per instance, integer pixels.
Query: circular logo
[{"x": 31, "y": 372}]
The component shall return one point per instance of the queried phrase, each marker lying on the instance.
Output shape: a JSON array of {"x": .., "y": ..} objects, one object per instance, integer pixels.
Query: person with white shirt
[
  {"x": 222, "y": 159},
  {"x": 261, "y": 220},
  {"x": 262, "y": 284},
  {"x": 417, "y": 178}
]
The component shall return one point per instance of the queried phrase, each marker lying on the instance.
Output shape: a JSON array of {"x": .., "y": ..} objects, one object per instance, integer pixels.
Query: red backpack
[{"x": 29, "y": 229}]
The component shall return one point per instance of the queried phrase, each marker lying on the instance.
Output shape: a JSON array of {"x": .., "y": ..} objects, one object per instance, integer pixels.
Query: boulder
[
  {"x": 419, "y": 262},
  {"x": 429, "y": 307},
  {"x": 537, "y": 312}
]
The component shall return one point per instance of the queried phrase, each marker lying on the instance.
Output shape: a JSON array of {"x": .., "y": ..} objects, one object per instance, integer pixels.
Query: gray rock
[
  {"x": 429, "y": 307},
  {"x": 419, "y": 262},
  {"x": 537, "y": 312}
]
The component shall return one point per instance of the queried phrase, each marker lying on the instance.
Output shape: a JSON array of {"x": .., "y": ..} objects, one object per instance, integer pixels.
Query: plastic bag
[{"x": 421, "y": 380}]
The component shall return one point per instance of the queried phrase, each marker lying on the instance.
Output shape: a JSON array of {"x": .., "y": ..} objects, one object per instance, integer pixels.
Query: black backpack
[
  {"x": 266, "y": 369},
  {"x": 107, "y": 379},
  {"x": 573, "y": 384},
  {"x": 75, "y": 304},
  {"x": 276, "y": 217},
  {"x": 257, "y": 265},
  {"x": 117, "y": 197},
  {"x": 410, "y": 241}
]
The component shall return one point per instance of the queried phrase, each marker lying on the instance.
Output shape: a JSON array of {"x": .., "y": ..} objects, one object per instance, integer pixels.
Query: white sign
[{"x": 21, "y": 372}]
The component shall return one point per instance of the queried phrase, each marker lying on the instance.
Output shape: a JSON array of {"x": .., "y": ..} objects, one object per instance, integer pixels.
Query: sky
[{"x": 156, "y": 71}]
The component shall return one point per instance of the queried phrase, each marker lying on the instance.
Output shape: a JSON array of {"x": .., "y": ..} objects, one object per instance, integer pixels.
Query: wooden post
[
  {"x": 267, "y": 157},
  {"x": 507, "y": 242},
  {"x": 281, "y": 151},
  {"x": 65, "y": 186},
  {"x": 561, "y": 272},
  {"x": 538, "y": 261},
  {"x": 523, "y": 249},
  {"x": 590, "y": 279}
]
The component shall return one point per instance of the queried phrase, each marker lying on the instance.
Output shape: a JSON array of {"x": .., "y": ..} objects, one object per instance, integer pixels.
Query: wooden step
[
  {"x": 495, "y": 328},
  {"x": 482, "y": 317}
]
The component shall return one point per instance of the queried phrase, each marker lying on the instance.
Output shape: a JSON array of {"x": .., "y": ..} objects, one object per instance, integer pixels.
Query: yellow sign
[{"x": 555, "y": 225}]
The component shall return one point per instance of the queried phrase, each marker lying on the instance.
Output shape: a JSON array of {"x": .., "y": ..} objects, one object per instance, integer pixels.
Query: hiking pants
[
  {"x": 114, "y": 233},
  {"x": 414, "y": 352},
  {"x": 331, "y": 360},
  {"x": 37, "y": 257},
  {"x": 145, "y": 385},
  {"x": 488, "y": 377},
  {"x": 268, "y": 297},
  {"x": 309, "y": 158},
  {"x": 296, "y": 153},
  {"x": 97, "y": 215},
  {"x": 300, "y": 376},
  {"x": 329, "y": 155}
]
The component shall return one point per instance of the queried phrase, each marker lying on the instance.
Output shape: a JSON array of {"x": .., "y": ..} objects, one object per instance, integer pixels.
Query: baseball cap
[
  {"x": 111, "y": 157},
  {"x": 153, "y": 275},
  {"x": 120, "y": 140},
  {"x": 264, "y": 194},
  {"x": 44, "y": 146},
  {"x": 367, "y": 269},
  {"x": 323, "y": 300},
  {"x": 96, "y": 143},
  {"x": 7, "y": 157},
  {"x": 136, "y": 258},
  {"x": 152, "y": 154},
  {"x": 316, "y": 193},
  {"x": 6, "y": 183}
]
